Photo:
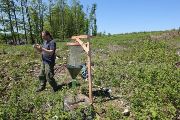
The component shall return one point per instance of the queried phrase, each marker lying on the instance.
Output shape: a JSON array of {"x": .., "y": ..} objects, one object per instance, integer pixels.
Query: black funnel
[{"x": 74, "y": 70}]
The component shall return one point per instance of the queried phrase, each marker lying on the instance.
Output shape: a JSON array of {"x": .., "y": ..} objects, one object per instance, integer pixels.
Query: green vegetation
[
  {"x": 22, "y": 21},
  {"x": 141, "y": 72}
]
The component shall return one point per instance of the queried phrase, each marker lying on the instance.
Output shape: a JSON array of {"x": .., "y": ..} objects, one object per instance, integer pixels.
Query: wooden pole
[{"x": 89, "y": 73}]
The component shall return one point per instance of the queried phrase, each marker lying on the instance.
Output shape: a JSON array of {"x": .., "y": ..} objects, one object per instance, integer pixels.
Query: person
[{"x": 48, "y": 61}]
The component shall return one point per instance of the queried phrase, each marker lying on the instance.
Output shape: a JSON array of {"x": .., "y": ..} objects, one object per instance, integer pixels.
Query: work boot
[
  {"x": 54, "y": 85},
  {"x": 56, "y": 88},
  {"x": 40, "y": 88}
]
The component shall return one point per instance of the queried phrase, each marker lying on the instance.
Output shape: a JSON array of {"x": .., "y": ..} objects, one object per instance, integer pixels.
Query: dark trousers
[{"x": 47, "y": 74}]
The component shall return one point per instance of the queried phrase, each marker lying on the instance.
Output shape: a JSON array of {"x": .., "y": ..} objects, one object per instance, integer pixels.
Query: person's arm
[
  {"x": 50, "y": 52},
  {"x": 52, "y": 47}
]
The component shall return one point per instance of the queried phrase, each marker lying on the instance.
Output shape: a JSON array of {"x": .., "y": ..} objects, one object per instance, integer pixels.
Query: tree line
[{"x": 21, "y": 21}]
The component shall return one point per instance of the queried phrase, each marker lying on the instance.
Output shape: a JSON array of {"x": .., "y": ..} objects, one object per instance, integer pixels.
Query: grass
[{"x": 141, "y": 72}]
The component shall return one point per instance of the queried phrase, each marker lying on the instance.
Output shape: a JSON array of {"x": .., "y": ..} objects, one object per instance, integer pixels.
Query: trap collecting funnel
[{"x": 73, "y": 71}]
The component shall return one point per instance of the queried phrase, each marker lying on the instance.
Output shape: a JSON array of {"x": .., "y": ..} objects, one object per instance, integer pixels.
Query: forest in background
[{"x": 21, "y": 21}]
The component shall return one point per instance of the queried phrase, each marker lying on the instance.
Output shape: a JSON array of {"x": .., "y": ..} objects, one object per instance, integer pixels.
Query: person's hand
[{"x": 38, "y": 47}]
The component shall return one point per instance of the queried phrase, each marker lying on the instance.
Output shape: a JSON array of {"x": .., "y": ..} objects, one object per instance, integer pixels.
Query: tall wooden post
[{"x": 89, "y": 72}]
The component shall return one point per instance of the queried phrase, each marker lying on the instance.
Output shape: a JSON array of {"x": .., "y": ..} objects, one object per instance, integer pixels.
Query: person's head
[{"x": 46, "y": 35}]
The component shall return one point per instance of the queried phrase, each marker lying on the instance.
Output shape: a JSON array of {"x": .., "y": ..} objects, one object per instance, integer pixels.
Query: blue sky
[{"x": 121, "y": 16}]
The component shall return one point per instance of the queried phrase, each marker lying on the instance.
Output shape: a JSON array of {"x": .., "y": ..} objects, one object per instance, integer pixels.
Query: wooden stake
[{"x": 89, "y": 73}]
